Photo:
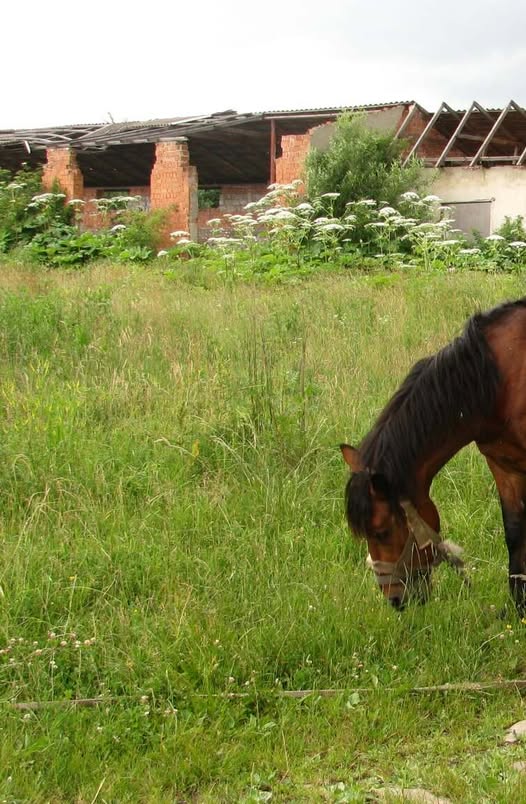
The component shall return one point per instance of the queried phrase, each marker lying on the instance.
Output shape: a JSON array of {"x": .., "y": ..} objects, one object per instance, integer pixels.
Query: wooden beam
[
  {"x": 493, "y": 130},
  {"x": 412, "y": 111},
  {"x": 443, "y": 106},
  {"x": 272, "y": 151},
  {"x": 441, "y": 159}
]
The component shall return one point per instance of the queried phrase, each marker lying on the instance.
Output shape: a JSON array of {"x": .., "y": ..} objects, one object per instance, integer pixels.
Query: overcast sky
[{"x": 64, "y": 62}]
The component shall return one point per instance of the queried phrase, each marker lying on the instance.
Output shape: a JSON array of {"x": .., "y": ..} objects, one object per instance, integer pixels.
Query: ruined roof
[{"x": 231, "y": 147}]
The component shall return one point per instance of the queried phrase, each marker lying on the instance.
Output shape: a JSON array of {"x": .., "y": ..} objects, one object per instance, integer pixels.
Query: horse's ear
[
  {"x": 351, "y": 456},
  {"x": 380, "y": 485}
]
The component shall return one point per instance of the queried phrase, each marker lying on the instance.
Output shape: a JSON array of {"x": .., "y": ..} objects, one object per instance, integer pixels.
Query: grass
[{"x": 172, "y": 530}]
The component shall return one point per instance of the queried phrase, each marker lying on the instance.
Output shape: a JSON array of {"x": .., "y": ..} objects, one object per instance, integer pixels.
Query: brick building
[{"x": 480, "y": 155}]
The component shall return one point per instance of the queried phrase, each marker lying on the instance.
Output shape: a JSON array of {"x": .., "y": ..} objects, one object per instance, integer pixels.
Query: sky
[{"x": 64, "y": 62}]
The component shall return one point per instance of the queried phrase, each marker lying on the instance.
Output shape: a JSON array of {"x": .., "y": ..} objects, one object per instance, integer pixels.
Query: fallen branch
[{"x": 462, "y": 686}]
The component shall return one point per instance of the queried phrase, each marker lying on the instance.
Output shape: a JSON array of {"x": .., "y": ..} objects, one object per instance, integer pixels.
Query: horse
[{"x": 472, "y": 390}]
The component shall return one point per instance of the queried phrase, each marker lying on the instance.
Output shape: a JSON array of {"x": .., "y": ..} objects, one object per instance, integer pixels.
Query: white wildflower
[
  {"x": 518, "y": 244},
  {"x": 431, "y": 199},
  {"x": 495, "y": 238},
  {"x": 332, "y": 227},
  {"x": 330, "y": 195},
  {"x": 386, "y": 212},
  {"x": 410, "y": 196},
  {"x": 181, "y": 233},
  {"x": 162, "y": 253},
  {"x": 118, "y": 227}
]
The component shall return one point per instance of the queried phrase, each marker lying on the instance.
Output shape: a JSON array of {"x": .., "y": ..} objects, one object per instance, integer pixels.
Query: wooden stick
[{"x": 462, "y": 686}]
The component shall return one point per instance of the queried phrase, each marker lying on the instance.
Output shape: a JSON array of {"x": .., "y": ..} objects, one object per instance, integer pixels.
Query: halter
[{"x": 421, "y": 535}]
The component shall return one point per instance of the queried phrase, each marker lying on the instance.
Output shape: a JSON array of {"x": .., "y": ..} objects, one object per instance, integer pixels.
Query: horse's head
[{"x": 403, "y": 546}]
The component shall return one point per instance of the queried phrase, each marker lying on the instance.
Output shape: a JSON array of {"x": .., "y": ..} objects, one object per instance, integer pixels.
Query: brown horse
[{"x": 472, "y": 390}]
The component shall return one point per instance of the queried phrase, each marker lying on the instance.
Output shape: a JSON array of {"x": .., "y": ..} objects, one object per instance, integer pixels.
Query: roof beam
[
  {"x": 412, "y": 111},
  {"x": 493, "y": 130},
  {"x": 443, "y": 106},
  {"x": 441, "y": 159}
]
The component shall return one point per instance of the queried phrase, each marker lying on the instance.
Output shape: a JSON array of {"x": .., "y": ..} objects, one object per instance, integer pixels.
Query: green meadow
[{"x": 173, "y": 542}]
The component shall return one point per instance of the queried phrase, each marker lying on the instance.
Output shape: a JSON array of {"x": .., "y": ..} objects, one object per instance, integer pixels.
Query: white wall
[{"x": 505, "y": 185}]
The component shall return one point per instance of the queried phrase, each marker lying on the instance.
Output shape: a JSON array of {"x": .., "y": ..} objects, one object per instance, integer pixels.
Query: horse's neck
[{"x": 433, "y": 462}]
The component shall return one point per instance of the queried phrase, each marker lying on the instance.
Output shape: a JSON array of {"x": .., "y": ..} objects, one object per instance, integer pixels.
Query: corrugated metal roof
[{"x": 337, "y": 109}]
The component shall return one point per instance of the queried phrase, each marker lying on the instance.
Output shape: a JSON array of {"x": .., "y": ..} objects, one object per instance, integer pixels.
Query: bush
[
  {"x": 362, "y": 164},
  {"x": 25, "y": 211}
]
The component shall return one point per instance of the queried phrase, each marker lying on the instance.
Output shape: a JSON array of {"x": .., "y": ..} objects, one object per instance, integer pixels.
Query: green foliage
[
  {"x": 361, "y": 163},
  {"x": 208, "y": 198},
  {"x": 25, "y": 211},
  {"x": 513, "y": 229}
]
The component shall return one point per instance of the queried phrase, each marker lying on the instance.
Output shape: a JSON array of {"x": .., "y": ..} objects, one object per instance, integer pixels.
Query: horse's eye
[{"x": 381, "y": 535}]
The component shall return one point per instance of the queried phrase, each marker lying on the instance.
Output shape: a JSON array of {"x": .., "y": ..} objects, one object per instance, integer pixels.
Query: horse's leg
[{"x": 512, "y": 493}]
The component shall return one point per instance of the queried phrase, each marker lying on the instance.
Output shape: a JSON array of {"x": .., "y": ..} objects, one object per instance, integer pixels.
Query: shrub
[{"x": 360, "y": 163}]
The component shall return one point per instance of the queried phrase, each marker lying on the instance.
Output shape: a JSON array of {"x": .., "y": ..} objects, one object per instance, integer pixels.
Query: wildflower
[
  {"x": 162, "y": 253},
  {"x": 332, "y": 227},
  {"x": 410, "y": 196},
  {"x": 38, "y": 652},
  {"x": 53, "y": 665},
  {"x": 144, "y": 699},
  {"x": 63, "y": 643},
  {"x": 27, "y": 716},
  {"x": 211, "y": 222},
  {"x": 431, "y": 199},
  {"x": 330, "y": 195},
  {"x": 469, "y": 251},
  {"x": 304, "y": 207},
  {"x": 449, "y": 242},
  {"x": 183, "y": 240},
  {"x": 118, "y": 227},
  {"x": 386, "y": 212},
  {"x": 76, "y": 202},
  {"x": 495, "y": 238},
  {"x": 181, "y": 233},
  {"x": 365, "y": 202},
  {"x": 518, "y": 244}
]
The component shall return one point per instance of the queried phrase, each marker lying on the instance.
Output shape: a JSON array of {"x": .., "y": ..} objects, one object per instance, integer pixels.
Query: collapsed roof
[{"x": 228, "y": 147}]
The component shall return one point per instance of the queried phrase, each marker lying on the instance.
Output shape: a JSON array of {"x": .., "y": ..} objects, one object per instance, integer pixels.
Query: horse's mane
[{"x": 459, "y": 381}]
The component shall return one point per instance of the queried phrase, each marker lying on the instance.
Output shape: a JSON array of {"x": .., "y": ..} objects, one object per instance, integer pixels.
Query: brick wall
[
  {"x": 290, "y": 164},
  {"x": 92, "y": 218},
  {"x": 233, "y": 200},
  {"x": 173, "y": 186},
  {"x": 62, "y": 167}
]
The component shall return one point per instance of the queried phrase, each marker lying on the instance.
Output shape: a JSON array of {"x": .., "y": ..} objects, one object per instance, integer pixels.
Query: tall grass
[{"x": 172, "y": 530}]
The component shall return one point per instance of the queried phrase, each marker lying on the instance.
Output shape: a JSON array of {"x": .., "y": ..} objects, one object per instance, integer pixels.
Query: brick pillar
[
  {"x": 173, "y": 185},
  {"x": 62, "y": 167},
  {"x": 294, "y": 149}
]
